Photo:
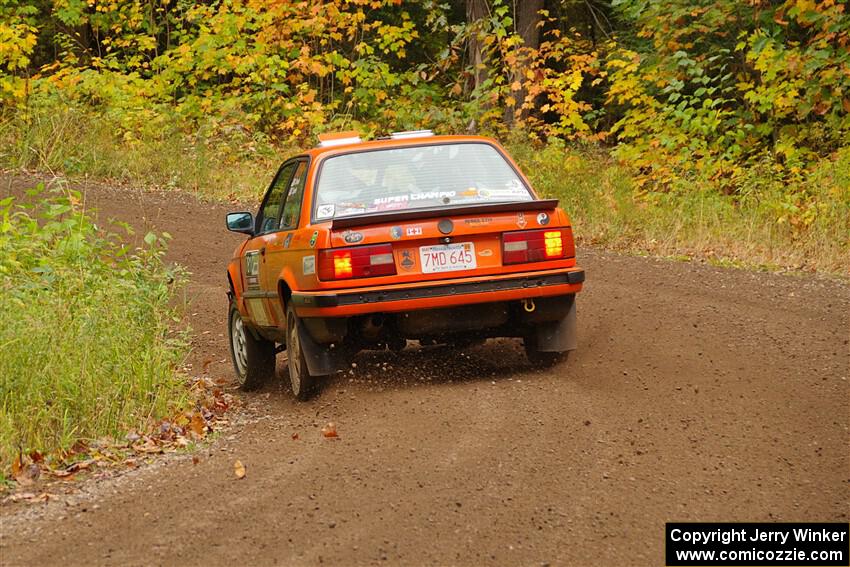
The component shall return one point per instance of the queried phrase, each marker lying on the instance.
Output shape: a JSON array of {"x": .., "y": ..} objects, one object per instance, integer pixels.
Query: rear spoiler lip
[{"x": 486, "y": 208}]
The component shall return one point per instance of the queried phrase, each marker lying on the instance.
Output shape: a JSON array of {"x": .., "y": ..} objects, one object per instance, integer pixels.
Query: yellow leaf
[
  {"x": 239, "y": 469},
  {"x": 516, "y": 85}
]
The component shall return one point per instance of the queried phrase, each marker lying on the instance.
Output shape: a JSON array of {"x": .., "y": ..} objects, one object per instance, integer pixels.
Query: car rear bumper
[{"x": 446, "y": 293}]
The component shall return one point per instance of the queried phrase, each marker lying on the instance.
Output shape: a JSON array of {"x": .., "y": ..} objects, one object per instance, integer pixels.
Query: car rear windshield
[{"x": 435, "y": 175}]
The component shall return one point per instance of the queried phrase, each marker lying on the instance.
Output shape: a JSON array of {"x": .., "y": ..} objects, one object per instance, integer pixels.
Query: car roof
[{"x": 382, "y": 143}]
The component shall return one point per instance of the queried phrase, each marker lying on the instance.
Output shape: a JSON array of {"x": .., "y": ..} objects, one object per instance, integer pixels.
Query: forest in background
[{"x": 718, "y": 129}]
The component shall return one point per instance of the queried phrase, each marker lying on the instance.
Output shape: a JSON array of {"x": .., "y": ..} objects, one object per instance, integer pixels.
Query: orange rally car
[{"x": 365, "y": 244}]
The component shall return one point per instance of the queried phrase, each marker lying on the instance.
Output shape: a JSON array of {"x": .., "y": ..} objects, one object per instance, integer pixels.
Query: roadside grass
[
  {"x": 89, "y": 336},
  {"x": 209, "y": 161},
  {"x": 763, "y": 225},
  {"x": 754, "y": 229}
]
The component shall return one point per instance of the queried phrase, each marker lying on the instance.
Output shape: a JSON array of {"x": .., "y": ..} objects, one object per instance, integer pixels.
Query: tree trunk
[
  {"x": 527, "y": 14},
  {"x": 527, "y": 19},
  {"x": 476, "y": 10}
]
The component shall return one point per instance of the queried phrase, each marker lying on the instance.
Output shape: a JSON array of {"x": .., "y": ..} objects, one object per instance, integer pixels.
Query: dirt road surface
[{"x": 697, "y": 394}]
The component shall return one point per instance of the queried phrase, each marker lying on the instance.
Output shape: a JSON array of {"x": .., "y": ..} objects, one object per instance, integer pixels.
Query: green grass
[
  {"x": 88, "y": 346},
  {"x": 209, "y": 161}
]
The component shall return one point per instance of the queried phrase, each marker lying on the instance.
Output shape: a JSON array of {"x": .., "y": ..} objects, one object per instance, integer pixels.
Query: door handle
[{"x": 263, "y": 251}]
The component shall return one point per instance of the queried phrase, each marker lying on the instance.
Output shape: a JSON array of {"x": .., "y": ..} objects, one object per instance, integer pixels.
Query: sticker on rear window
[
  {"x": 502, "y": 193},
  {"x": 422, "y": 196},
  {"x": 325, "y": 211}
]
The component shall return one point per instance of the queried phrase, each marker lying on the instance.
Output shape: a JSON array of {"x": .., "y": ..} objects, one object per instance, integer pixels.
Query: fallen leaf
[
  {"x": 80, "y": 465},
  {"x": 21, "y": 496},
  {"x": 33, "y": 471},
  {"x": 23, "y": 480},
  {"x": 16, "y": 466},
  {"x": 239, "y": 469},
  {"x": 166, "y": 433},
  {"x": 149, "y": 446},
  {"x": 30, "y": 497},
  {"x": 295, "y": 437},
  {"x": 27, "y": 475},
  {"x": 195, "y": 459},
  {"x": 329, "y": 430},
  {"x": 65, "y": 475},
  {"x": 198, "y": 424}
]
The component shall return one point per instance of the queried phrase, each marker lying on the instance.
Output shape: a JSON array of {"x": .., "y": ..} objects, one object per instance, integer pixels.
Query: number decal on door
[{"x": 252, "y": 269}]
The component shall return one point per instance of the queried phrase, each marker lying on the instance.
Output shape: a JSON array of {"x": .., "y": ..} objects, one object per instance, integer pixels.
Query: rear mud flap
[
  {"x": 558, "y": 336},
  {"x": 321, "y": 359}
]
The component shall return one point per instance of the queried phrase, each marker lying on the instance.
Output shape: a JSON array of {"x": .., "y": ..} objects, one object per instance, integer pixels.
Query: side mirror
[{"x": 241, "y": 222}]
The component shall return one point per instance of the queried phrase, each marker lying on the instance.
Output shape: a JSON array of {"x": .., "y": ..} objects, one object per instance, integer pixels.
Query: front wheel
[
  {"x": 300, "y": 380},
  {"x": 253, "y": 358}
]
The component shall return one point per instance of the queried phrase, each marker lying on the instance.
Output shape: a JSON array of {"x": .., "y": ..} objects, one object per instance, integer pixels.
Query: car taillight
[
  {"x": 356, "y": 262},
  {"x": 536, "y": 246}
]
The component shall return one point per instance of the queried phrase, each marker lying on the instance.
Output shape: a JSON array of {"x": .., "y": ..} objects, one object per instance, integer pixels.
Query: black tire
[
  {"x": 302, "y": 383},
  {"x": 543, "y": 359},
  {"x": 466, "y": 342},
  {"x": 253, "y": 358}
]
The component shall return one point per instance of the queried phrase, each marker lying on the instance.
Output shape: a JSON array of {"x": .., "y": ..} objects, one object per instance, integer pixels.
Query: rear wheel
[
  {"x": 466, "y": 342},
  {"x": 253, "y": 357},
  {"x": 542, "y": 359},
  {"x": 300, "y": 380}
]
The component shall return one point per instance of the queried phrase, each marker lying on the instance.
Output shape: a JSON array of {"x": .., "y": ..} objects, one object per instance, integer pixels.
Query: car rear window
[{"x": 438, "y": 175}]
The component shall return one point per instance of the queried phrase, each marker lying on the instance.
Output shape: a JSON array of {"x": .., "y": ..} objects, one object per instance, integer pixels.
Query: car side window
[
  {"x": 294, "y": 197},
  {"x": 268, "y": 219}
]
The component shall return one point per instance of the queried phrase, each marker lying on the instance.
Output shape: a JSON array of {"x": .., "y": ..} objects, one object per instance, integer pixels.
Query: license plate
[{"x": 447, "y": 257}]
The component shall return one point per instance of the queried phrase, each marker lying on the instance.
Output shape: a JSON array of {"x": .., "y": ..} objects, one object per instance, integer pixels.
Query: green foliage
[
  {"x": 17, "y": 41},
  {"x": 712, "y": 88},
  {"x": 86, "y": 346}
]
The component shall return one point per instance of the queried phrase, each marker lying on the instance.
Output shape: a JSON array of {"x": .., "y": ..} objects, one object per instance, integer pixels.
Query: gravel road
[{"x": 697, "y": 394}]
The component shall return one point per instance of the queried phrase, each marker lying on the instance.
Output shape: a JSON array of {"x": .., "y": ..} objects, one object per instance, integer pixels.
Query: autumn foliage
[{"x": 737, "y": 96}]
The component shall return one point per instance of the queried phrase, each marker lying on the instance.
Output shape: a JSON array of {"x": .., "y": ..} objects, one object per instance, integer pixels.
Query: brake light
[
  {"x": 356, "y": 262},
  {"x": 536, "y": 246},
  {"x": 342, "y": 265},
  {"x": 553, "y": 241}
]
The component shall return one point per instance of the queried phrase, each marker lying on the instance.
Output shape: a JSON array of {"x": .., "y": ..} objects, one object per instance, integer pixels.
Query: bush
[
  {"x": 767, "y": 223},
  {"x": 87, "y": 347}
]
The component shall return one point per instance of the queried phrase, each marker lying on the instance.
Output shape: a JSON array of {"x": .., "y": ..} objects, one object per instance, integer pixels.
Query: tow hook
[{"x": 528, "y": 305}]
